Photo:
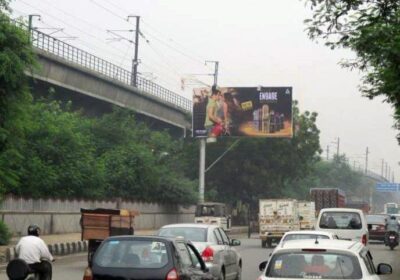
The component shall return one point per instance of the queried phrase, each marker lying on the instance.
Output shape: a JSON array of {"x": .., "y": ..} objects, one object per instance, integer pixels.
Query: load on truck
[
  {"x": 328, "y": 198},
  {"x": 213, "y": 213},
  {"x": 362, "y": 205},
  {"x": 98, "y": 224},
  {"x": 276, "y": 217},
  {"x": 307, "y": 215}
]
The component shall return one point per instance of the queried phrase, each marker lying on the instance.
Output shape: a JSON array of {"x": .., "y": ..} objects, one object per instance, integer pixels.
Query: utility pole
[
  {"x": 386, "y": 170},
  {"x": 30, "y": 22},
  {"x": 366, "y": 161},
  {"x": 203, "y": 140},
  {"x": 327, "y": 152},
  {"x": 135, "y": 61},
  {"x": 354, "y": 164},
  {"x": 383, "y": 162},
  {"x": 338, "y": 147}
]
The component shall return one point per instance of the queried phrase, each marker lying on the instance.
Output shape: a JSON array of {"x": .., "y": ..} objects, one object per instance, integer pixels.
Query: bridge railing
[{"x": 73, "y": 54}]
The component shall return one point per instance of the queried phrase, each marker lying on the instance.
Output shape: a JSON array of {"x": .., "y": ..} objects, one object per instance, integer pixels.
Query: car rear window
[
  {"x": 304, "y": 236},
  {"x": 340, "y": 220},
  {"x": 132, "y": 254},
  {"x": 376, "y": 219},
  {"x": 314, "y": 265},
  {"x": 189, "y": 233}
]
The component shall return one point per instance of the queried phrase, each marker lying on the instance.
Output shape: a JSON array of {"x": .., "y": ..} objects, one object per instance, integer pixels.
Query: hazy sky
[{"x": 257, "y": 42}]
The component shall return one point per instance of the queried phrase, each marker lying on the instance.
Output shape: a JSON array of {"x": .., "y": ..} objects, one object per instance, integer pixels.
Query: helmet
[{"x": 33, "y": 230}]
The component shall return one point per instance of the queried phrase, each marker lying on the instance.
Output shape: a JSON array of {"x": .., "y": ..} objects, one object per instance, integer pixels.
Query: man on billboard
[{"x": 213, "y": 123}]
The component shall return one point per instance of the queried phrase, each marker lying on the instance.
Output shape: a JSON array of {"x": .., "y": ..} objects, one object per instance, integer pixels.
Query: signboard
[
  {"x": 387, "y": 187},
  {"x": 242, "y": 111}
]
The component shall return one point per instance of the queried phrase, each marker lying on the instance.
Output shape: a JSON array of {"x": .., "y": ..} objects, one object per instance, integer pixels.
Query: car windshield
[
  {"x": 314, "y": 265},
  {"x": 189, "y": 233},
  {"x": 376, "y": 219},
  {"x": 340, "y": 220},
  {"x": 132, "y": 254},
  {"x": 304, "y": 236}
]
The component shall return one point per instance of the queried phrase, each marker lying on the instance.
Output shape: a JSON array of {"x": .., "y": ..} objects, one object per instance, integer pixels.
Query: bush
[{"x": 5, "y": 234}]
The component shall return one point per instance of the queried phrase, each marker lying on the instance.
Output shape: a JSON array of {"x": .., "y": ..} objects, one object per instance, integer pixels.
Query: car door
[
  {"x": 198, "y": 269},
  {"x": 231, "y": 268},
  {"x": 221, "y": 250},
  {"x": 367, "y": 259}
]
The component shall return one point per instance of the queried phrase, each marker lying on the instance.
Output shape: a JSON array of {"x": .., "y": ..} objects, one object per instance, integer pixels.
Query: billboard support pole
[{"x": 202, "y": 165}]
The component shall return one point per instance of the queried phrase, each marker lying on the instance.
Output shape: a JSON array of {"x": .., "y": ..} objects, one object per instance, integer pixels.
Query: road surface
[{"x": 72, "y": 267}]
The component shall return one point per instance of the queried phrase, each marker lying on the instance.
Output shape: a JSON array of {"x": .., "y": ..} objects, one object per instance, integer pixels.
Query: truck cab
[{"x": 213, "y": 213}]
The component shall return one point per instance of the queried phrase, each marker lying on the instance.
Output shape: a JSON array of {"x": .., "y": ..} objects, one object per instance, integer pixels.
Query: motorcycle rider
[
  {"x": 391, "y": 226},
  {"x": 34, "y": 251}
]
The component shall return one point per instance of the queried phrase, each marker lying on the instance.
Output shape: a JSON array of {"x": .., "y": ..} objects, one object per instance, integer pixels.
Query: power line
[
  {"x": 108, "y": 10},
  {"x": 78, "y": 29}
]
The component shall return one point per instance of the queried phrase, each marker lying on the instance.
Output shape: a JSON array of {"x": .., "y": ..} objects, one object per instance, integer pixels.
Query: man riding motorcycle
[
  {"x": 34, "y": 251},
  {"x": 392, "y": 226}
]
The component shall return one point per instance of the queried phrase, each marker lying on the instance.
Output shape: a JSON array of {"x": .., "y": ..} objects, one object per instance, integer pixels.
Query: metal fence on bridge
[{"x": 73, "y": 54}]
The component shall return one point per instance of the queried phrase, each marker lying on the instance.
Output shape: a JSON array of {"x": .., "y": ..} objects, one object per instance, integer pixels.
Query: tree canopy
[{"x": 370, "y": 28}]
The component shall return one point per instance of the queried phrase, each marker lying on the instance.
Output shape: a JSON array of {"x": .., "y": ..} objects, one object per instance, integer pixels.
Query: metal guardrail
[{"x": 73, "y": 54}]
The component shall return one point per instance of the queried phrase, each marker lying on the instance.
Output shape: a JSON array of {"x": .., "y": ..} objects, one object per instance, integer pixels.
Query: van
[{"x": 346, "y": 223}]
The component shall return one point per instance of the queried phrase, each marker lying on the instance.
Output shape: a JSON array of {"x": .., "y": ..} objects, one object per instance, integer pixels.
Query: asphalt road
[{"x": 72, "y": 267}]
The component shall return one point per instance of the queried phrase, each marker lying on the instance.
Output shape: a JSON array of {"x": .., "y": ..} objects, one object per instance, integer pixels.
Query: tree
[
  {"x": 16, "y": 56},
  {"x": 370, "y": 28}
]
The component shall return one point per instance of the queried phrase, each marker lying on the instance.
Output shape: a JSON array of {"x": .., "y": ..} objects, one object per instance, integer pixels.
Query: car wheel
[{"x": 263, "y": 243}]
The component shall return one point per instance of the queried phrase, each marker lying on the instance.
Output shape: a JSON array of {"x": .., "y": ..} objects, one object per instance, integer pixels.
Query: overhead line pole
[
  {"x": 135, "y": 61},
  {"x": 366, "y": 160}
]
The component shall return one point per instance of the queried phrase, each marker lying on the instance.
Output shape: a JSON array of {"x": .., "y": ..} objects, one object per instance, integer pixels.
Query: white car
[
  {"x": 346, "y": 223},
  {"x": 214, "y": 246},
  {"x": 322, "y": 259},
  {"x": 306, "y": 234}
]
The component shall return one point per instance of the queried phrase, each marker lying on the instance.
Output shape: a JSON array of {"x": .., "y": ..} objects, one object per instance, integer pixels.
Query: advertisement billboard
[{"x": 242, "y": 111}]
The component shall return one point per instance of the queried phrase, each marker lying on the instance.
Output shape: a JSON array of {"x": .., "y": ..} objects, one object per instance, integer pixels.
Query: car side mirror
[
  {"x": 384, "y": 268},
  {"x": 262, "y": 265},
  {"x": 235, "y": 242},
  {"x": 369, "y": 227}
]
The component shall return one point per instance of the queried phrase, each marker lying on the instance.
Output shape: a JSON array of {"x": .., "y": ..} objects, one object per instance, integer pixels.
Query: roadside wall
[{"x": 56, "y": 216}]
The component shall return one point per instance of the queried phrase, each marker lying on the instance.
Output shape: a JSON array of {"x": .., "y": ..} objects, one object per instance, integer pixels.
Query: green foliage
[
  {"x": 5, "y": 234},
  {"x": 370, "y": 28}
]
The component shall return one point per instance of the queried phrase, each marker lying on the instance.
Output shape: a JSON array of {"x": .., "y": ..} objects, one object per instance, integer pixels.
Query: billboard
[{"x": 242, "y": 111}]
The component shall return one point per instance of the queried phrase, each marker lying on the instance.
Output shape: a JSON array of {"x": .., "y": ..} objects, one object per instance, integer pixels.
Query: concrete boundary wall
[{"x": 56, "y": 216}]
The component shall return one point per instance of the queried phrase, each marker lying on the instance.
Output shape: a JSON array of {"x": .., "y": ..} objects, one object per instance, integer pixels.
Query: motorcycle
[
  {"x": 18, "y": 269},
  {"x": 392, "y": 240}
]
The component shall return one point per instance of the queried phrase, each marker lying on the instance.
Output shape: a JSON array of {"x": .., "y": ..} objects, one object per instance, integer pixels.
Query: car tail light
[
  {"x": 208, "y": 254},
  {"x": 364, "y": 239},
  {"x": 172, "y": 275},
  {"x": 88, "y": 275}
]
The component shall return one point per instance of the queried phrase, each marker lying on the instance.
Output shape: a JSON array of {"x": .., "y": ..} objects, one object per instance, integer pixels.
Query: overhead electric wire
[
  {"x": 78, "y": 29},
  {"x": 108, "y": 10}
]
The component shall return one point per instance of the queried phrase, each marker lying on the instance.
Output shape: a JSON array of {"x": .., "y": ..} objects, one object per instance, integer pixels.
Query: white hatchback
[
  {"x": 306, "y": 234},
  {"x": 322, "y": 259},
  {"x": 346, "y": 223}
]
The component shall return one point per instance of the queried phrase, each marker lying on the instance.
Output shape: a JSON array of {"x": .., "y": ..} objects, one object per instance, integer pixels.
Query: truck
[
  {"x": 100, "y": 223},
  {"x": 359, "y": 204},
  {"x": 276, "y": 217},
  {"x": 391, "y": 208},
  {"x": 327, "y": 198},
  {"x": 307, "y": 215},
  {"x": 213, "y": 213}
]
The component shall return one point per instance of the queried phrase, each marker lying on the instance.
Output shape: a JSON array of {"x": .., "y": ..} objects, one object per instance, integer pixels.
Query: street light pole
[{"x": 203, "y": 140}]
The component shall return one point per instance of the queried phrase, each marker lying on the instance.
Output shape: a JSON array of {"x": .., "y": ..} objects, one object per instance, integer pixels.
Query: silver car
[{"x": 214, "y": 246}]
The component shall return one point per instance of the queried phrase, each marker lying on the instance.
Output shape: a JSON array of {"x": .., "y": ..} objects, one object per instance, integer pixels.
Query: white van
[{"x": 346, "y": 223}]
